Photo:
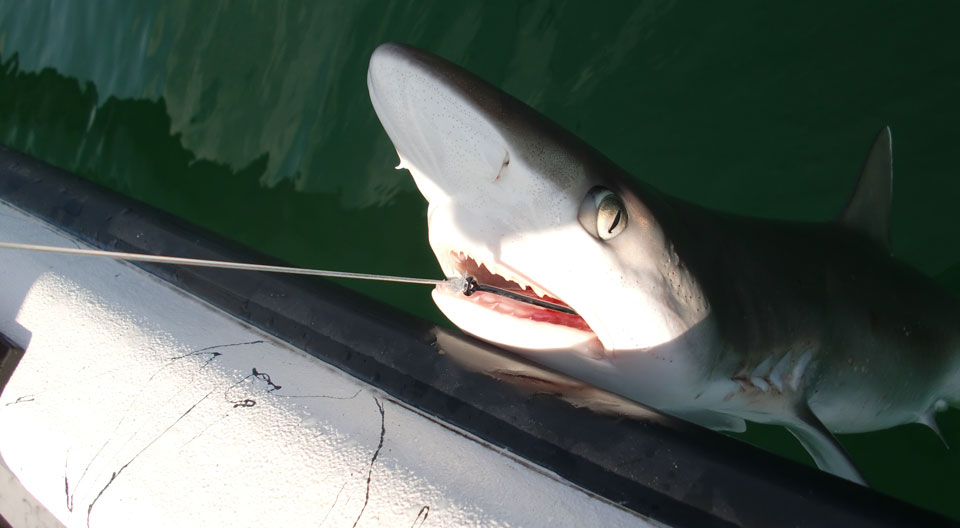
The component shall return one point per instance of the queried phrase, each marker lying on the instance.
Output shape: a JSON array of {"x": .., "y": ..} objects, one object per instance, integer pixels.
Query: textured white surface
[
  {"x": 18, "y": 507},
  {"x": 136, "y": 404}
]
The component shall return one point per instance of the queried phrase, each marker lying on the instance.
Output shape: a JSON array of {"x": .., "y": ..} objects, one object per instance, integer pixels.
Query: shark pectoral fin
[
  {"x": 711, "y": 420},
  {"x": 822, "y": 446},
  {"x": 868, "y": 210}
]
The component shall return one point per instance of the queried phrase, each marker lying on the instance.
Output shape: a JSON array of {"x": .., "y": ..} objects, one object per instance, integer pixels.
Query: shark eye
[{"x": 602, "y": 213}]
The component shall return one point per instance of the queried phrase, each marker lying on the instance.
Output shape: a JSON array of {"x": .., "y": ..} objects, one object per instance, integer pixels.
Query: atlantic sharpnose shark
[{"x": 708, "y": 316}]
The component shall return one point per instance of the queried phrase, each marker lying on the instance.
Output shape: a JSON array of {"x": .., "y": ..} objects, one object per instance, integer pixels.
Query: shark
[{"x": 709, "y": 316}]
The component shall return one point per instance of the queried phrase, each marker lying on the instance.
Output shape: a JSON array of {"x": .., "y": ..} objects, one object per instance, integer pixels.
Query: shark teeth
[
  {"x": 568, "y": 328},
  {"x": 464, "y": 262}
]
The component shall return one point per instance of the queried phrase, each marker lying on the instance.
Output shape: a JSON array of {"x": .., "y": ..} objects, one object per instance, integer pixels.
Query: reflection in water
[
  {"x": 253, "y": 120},
  {"x": 282, "y": 82},
  {"x": 125, "y": 144}
]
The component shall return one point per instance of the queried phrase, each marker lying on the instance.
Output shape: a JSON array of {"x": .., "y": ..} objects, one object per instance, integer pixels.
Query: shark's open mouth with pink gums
[{"x": 512, "y": 281}]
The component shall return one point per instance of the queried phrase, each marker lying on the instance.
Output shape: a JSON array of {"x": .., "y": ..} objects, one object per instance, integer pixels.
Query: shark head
[{"x": 518, "y": 203}]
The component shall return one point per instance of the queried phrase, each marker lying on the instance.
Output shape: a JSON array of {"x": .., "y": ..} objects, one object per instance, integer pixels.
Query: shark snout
[{"x": 446, "y": 136}]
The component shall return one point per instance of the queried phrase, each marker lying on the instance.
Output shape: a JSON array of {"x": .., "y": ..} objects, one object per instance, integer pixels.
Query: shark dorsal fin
[{"x": 868, "y": 210}]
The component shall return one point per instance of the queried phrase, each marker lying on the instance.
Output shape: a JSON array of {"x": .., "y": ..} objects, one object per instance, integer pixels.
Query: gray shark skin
[{"x": 712, "y": 317}]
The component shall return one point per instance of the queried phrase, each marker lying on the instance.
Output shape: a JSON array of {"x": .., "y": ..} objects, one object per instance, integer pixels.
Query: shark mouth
[
  {"x": 510, "y": 323},
  {"x": 467, "y": 265}
]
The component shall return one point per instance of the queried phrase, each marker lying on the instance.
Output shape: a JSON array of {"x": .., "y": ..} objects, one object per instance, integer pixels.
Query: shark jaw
[{"x": 507, "y": 322}]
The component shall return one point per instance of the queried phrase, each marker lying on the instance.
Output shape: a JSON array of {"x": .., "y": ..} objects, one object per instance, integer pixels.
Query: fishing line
[{"x": 465, "y": 284}]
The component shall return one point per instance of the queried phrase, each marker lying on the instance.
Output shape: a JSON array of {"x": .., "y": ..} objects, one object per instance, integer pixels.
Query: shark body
[{"x": 709, "y": 316}]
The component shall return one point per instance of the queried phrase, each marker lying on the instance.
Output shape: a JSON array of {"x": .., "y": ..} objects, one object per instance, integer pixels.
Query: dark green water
[{"x": 252, "y": 119}]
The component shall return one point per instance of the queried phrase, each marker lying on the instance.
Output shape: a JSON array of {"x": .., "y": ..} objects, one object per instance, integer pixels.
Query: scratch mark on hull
[
  {"x": 421, "y": 517},
  {"x": 66, "y": 484},
  {"x": 335, "y": 499},
  {"x": 21, "y": 399},
  {"x": 323, "y": 396},
  {"x": 117, "y": 472},
  {"x": 135, "y": 399},
  {"x": 383, "y": 432},
  {"x": 207, "y": 350}
]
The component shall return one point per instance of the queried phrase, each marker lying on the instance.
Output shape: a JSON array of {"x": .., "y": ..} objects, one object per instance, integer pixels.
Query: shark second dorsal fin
[{"x": 868, "y": 210}]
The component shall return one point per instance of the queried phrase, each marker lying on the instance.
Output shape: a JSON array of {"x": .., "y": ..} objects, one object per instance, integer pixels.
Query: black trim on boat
[{"x": 661, "y": 467}]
